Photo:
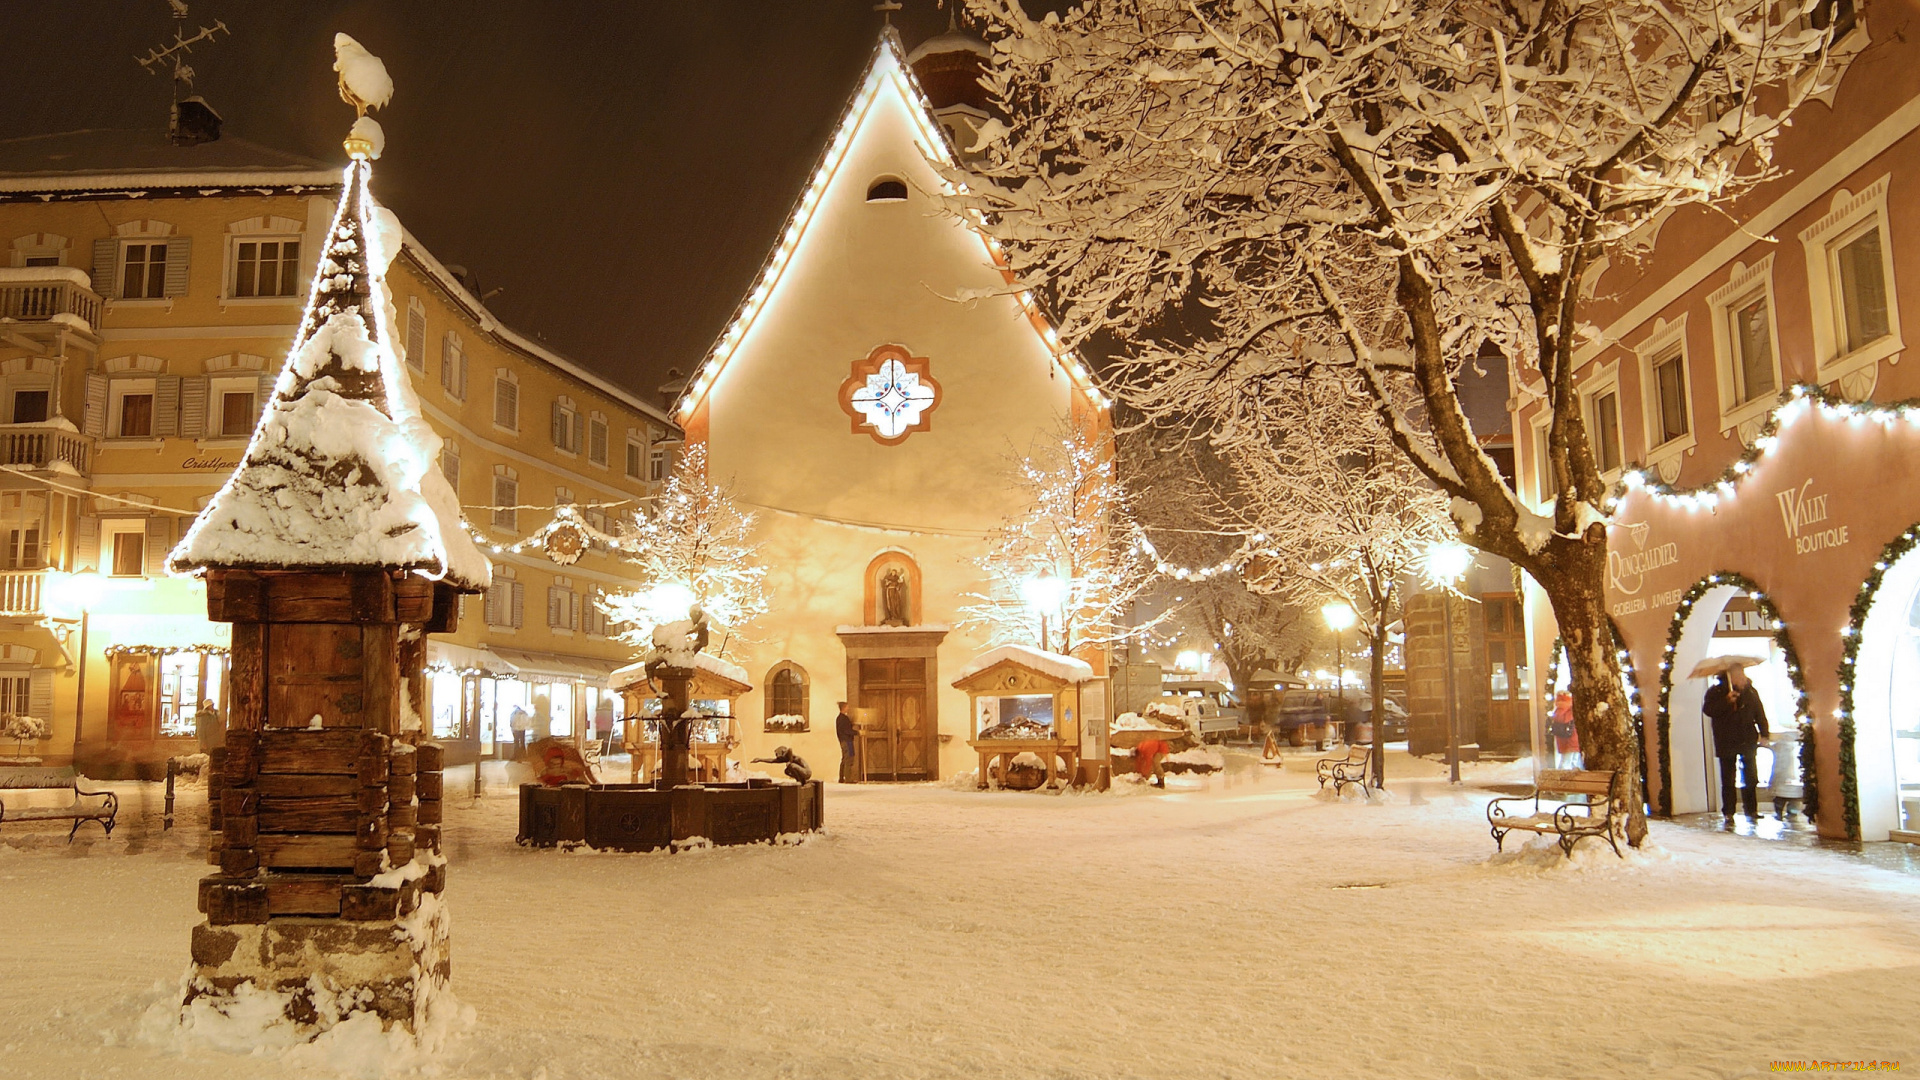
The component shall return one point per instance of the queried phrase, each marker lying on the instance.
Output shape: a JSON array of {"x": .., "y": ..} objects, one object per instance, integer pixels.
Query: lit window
[
  {"x": 143, "y": 271},
  {"x": 265, "y": 267},
  {"x": 129, "y": 554}
]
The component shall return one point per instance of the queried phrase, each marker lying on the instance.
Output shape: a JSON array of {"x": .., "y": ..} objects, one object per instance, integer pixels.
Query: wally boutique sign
[{"x": 1804, "y": 515}]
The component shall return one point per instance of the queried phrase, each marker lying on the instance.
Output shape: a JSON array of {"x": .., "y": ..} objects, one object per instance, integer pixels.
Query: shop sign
[
  {"x": 1627, "y": 570},
  {"x": 198, "y": 464},
  {"x": 1799, "y": 509}
]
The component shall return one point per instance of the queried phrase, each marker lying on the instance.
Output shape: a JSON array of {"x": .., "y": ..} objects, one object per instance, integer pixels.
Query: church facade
[{"x": 868, "y": 402}]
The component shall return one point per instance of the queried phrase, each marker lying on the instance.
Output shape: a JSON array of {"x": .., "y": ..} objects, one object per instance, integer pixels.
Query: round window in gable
[{"x": 887, "y": 189}]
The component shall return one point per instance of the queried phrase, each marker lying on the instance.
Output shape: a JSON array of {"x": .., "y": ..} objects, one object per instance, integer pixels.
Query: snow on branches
[
  {"x": 1075, "y": 531},
  {"x": 692, "y": 545}
]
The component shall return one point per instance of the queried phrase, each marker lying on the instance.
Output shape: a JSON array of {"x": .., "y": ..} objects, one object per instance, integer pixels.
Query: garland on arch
[
  {"x": 1781, "y": 637},
  {"x": 1850, "y": 638},
  {"x": 1629, "y": 682}
]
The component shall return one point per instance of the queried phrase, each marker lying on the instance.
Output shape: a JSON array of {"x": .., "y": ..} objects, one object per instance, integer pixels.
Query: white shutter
[
  {"x": 106, "y": 268},
  {"x": 461, "y": 391},
  {"x": 559, "y": 426},
  {"x": 556, "y": 607},
  {"x": 159, "y": 541},
  {"x": 495, "y": 593},
  {"x": 179, "y": 253},
  {"x": 449, "y": 363},
  {"x": 96, "y": 419},
  {"x": 40, "y": 694},
  {"x": 86, "y": 545},
  {"x": 193, "y": 408},
  {"x": 416, "y": 336},
  {"x": 262, "y": 396},
  {"x": 166, "y": 406},
  {"x": 519, "y": 605}
]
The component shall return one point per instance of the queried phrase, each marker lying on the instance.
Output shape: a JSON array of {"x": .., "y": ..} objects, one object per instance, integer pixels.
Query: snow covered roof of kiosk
[
  {"x": 341, "y": 470},
  {"x": 1067, "y": 669}
]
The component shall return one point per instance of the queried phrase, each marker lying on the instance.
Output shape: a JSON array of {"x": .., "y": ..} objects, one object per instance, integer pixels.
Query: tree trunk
[{"x": 1601, "y": 714}]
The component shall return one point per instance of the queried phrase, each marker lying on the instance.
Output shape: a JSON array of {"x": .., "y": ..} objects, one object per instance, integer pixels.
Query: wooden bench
[
  {"x": 1351, "y": 769},
  {"x": 1603, "y": 814},
  {"x": 31, "y": 778}
]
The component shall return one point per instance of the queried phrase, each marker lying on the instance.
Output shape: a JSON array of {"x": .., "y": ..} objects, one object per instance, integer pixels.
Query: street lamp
[
  {"x": 1446, "y": 564},
  {"x": 75, "y": 593},
  {"x": 1339, "y": 615},
  {"x": 1043, "y": 592}
]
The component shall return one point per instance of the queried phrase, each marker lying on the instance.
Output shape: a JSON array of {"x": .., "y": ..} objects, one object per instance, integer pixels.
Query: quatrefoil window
[{"x": 890, "y": 394}]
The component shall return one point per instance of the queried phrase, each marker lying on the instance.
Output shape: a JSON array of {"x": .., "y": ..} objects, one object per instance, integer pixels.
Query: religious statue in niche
[{"x": 893, "y": 598}]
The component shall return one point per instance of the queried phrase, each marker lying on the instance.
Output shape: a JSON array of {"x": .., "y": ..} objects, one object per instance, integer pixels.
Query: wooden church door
[{"x": 895, "y": 747}]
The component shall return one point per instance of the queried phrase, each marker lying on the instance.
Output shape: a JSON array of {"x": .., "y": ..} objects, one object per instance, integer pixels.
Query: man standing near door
[
  {"x": 1739, "y": 726},
  {"x": 843, "y": 727}
]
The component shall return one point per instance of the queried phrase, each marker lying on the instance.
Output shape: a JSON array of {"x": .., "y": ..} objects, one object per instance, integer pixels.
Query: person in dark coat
[
  {"x": 1739, "y": 726},
  {"x": 843, "y": 727}
]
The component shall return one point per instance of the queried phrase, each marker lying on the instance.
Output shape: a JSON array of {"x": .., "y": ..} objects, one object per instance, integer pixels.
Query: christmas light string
[{"x": 1850, "y": 638}]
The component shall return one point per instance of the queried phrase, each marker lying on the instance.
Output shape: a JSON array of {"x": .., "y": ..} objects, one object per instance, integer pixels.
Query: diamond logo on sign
[{"x": 890, "y": 394}]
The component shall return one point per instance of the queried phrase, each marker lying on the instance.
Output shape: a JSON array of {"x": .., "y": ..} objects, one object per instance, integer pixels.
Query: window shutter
[
  {"x": 106, "y": 266},
  {"x": 86, "y": 545},
  {"x": 461, "y": 392},
  {"x": 179, "y": 251},
  {"x": 493, "y": 602},
  {"x": 96, "y": 420},
  {"x": 159, "y": 540},
  {"x": 556, "y": 608},
  {"x": 166, "y": 406},
  {"x": 573, "y": 610},
  {"x": 261, "y": 396},
  {"x": 416, "y": 338},
  {"x": 519, "y": 604},
  {"x": 193, "y": 407},
  {"x": 40, "y": 694},
  {"x": 559, "y": 426}
]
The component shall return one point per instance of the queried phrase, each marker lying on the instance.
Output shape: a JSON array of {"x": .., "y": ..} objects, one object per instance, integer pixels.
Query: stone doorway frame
[{"x": 899, "y": 643}]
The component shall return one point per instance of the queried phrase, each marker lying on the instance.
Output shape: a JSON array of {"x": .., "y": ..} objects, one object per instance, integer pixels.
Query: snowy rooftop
[
  {"x": 637, "y": 671},
  {"x": 98, "y": 158},
  {"x": 1066, "y": 668},
  {"x": 341, "y": 471}
]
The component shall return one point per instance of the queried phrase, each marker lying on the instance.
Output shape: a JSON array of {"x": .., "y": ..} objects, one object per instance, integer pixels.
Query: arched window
[
  {"x": 786, "y": 693},
  {"x": 887, "y": 189}
]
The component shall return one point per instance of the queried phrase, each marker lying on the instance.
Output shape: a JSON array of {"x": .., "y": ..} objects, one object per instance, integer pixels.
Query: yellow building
[{"x": 148, "y": 295}]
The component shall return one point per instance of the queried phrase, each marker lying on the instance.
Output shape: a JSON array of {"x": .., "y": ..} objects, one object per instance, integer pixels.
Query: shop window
[
  {"x": 30, "y": 406},
  {"x": 787, "y": 698}
]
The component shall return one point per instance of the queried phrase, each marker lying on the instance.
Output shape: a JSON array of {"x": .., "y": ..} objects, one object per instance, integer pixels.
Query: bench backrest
[
  {"x": 1576, "y": 782},
  {"x": 1358, "y": 754},
  {"x": 24, "y": 777}
]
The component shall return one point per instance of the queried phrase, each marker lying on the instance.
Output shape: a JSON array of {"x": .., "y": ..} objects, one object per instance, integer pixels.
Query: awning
[
  {"x": 555, "y": 667},
  {"x": 443, "y": 654}
]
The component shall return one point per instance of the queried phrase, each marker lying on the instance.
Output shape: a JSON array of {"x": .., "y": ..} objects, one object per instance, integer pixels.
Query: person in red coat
[{"x": 1147, "y": 758}]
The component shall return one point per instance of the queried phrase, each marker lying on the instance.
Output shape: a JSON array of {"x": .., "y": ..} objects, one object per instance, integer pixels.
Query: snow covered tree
[
  {"x": 1213, "y": 181},
  {"x": 1071, "y": 556},
  {"x": 692, "y": 545}
]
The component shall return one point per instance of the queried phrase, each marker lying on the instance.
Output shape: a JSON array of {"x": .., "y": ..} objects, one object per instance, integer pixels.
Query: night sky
[{"x": 618, "y": 170}]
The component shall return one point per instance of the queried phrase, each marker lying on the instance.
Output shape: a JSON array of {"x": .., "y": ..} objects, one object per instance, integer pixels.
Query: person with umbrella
[{"x": 1739, "y": 726}]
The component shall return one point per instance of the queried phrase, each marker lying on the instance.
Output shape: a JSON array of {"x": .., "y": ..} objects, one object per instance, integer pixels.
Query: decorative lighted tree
[
  {"x": 1212, "y": 180},
  {"x": 1063, "y": 571},
  {"x": 692, "y": 545}
]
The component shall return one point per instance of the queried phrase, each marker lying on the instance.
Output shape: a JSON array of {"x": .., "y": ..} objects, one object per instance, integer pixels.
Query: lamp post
[
  {"x": 1446, "y": 564},
  {"x": 1043, "y": 592},
  {"x": 1340, "y": 615},
  {"x": 76, "y": 592}
]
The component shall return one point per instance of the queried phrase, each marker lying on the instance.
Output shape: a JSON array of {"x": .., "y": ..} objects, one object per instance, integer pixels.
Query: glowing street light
[
  {"x": 1446, "y": 564},
  {"x": 72, "y": 596},
  {"x": 1044, "y": 593}
]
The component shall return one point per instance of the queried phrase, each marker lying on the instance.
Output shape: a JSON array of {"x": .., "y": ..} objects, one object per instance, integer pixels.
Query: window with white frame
[
  {"x": 450, "y": 464},
  {"x": 506, "y": 497},
  {"x": 1543, "y": 484},
  {"x": 235, "y": 406},
  {"x": 265, "y": 267},
  {"x": 1603, "y": 426},
  {"x": 130, "y": 404},
  {"x": 1851, "y": 284},
  {"x": 1666, "y": 394},
  {"x": 506, "y": 400},
  {"x": 1745, "y": 342},
  {"x": 453, "y": 365},
  {"x": 636, "y": 456},
  {"x": 505, "y": 599},
  {"x": 143, "y": 269},
  {"x": 563, "y": 605},
  {"x": 16, "y": 693},
  {"x": 657, "y": 463},
  {"x": 1670, "y": 397},
  {"x": 566, "y": 426},
  {"x": 597, "y": 440},
  {"x": 124, "y": 547}
]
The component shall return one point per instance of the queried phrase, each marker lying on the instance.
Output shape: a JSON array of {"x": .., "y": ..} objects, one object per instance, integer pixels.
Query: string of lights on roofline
[{"x": 934, "y": 143}]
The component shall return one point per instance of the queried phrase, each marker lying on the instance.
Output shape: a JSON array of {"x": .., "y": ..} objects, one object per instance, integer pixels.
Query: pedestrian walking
[
  {"x": 521, "y": 721},
  {"x": 1739, "y": 726},
  {"x": 1566, "y": 736}
]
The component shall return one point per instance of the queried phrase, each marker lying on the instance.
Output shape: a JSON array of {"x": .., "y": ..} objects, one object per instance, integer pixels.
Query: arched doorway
[
  {"x": 1560, "y": 680},
  {"x": 1880, "y": 698},
  {"x": 1726, "y": 614}
]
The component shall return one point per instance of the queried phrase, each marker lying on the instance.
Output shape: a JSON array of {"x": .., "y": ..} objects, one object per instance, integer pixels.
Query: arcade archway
[{"x": 1880, "y": 699}]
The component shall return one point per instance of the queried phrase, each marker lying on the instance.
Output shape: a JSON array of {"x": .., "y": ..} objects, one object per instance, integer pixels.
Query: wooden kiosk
[
  {"x": 1021, "y": 700},
  {"x": 714, "y": 682}
]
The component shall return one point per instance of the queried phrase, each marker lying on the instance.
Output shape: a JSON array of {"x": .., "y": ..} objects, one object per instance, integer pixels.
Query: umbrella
[{"x": 1714, "y": 665}]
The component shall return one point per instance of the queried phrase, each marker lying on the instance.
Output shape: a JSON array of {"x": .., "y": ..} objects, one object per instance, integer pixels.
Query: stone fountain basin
[{"x": 648, "y": 817}]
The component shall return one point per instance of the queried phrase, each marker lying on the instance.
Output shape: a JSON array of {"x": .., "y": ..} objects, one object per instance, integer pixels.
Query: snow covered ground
[{"x": 1234, "y": 927}]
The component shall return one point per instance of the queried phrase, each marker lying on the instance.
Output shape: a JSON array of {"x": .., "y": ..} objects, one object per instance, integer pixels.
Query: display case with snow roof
[
  {"x": 1028, "y": 717},
  {"x": 712, "y": 736},
  {"x": 334, "y": 549}
]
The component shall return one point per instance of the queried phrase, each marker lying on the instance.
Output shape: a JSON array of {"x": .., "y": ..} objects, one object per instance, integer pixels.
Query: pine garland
[
  {"x": 1629, "y": 682},
  {"x": 1809, "y": 772},
  {"x": 1849, "y": 661},
  {"x": 1780, "y": 637}
]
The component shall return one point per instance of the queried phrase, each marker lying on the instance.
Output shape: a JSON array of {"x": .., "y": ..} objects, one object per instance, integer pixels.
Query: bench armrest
[
  {"x": 111, "y": 805},
  {"x": 1496, "y": 808}
]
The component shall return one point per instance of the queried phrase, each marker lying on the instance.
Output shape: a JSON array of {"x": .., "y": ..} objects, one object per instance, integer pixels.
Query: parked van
[{"x": 1210, "y": 708}]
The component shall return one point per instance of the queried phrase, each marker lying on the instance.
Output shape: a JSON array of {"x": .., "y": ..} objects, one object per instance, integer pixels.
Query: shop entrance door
[
  {"x": 894, "y": 744},
  {"x": 1509, "y": 684}
]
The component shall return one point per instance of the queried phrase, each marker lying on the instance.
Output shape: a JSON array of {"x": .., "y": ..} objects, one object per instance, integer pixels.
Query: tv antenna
[{"x": 181, "y": 46}]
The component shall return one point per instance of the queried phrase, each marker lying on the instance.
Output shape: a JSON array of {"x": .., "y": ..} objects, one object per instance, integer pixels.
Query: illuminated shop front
[{"x": 473, "y": 694}]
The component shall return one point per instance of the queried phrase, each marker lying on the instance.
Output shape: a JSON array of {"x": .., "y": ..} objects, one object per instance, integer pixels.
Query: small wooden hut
[
  {"x": 1021, "y": 700},
  {"x": 716, "y": 687}
]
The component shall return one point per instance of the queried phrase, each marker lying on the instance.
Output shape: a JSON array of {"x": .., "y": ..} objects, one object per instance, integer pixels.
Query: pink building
[{"x": 1748, "y": 393}]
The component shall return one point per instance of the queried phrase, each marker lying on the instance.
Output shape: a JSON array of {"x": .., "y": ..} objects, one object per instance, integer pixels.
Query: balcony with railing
[
  {"x": 55, "y": 447},
  {"x": 20, "y": 592},
  {"x": 46, "y": 293}
]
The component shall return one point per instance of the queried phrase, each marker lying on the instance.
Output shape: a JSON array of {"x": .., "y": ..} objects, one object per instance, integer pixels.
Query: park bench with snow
[
  {"x": 1351, "y": 769},
  {"x": 80, "y": 811},
  {"x": 1603, "y": 813}
]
